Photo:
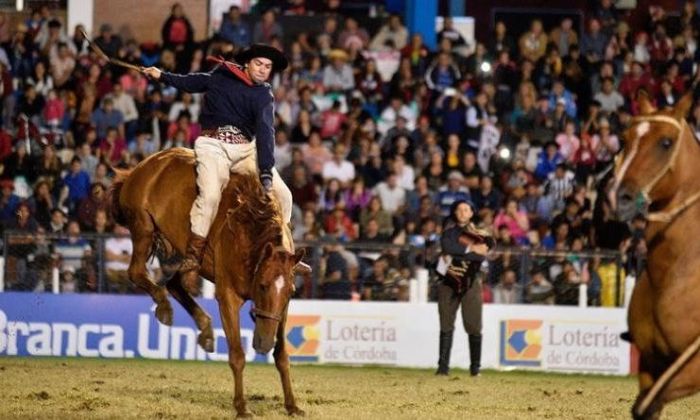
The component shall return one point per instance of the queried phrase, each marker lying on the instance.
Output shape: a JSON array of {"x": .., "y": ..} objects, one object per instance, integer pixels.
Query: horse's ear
[
  {"x": 298, "y": 255},
  {"x": 683, "y": 106},
  {"x": 267, "y": 251},
  {"x": 645, "y": 106}
]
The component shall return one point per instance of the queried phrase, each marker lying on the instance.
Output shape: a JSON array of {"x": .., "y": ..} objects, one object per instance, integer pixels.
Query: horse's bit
[{"x": 660, "y": 216}]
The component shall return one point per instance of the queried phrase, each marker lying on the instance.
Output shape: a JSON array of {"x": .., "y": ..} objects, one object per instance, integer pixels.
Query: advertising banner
[{"x": 396, "y": 334}]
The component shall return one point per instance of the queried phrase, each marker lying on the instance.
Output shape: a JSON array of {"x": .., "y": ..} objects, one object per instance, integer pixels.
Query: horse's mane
[{"x": 264, "y": 216}]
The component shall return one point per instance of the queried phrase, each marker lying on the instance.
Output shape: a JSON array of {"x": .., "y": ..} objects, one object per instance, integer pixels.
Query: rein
[{"x": 665, "y": 216}]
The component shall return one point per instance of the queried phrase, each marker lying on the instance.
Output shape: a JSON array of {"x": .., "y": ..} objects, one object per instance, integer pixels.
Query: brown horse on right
[
  {"x": 249, "y": 255},
  {"x": 659, "y": 167}
]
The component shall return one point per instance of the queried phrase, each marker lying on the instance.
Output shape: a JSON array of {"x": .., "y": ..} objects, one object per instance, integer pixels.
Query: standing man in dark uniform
[
  {"x": 464, "y": 247},
  {"x": 237, "y": 131}
]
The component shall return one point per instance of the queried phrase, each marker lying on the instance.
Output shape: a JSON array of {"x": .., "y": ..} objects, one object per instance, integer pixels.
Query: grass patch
[{"x": 137, "y": 388}]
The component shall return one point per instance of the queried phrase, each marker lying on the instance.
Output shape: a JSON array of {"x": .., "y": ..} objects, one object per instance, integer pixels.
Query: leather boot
[
  {"x": 445, "y": 349},
  {"x": 191, "y": 264},
  {"x": 475, "y": 354}
]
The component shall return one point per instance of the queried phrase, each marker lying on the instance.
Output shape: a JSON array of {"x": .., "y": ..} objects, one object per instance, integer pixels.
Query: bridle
[
  {"x": 255, "y": 312},
  {"x": 659, "y": 216}
]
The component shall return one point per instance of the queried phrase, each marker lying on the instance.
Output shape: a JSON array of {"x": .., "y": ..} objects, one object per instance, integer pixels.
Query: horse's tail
[{"x": 115, "y": 190}]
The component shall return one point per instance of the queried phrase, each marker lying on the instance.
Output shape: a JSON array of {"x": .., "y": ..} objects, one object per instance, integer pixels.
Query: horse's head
[
  {"x": 273, "y": 286},
  {"x": 647, "y": 172}
]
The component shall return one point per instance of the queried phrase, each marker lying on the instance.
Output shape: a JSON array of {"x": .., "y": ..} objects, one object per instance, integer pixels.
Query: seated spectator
[
  {"x": 113, "y": 149},
  {"x": 336, "y": 281},
  {"x": 390, "y": 116},
  {"x": 118, "y": 250},
  {"x": 72, "y": 248},
  {"x": 515, "y": 220},
  {"x": 539, "y": 290},
  {"x": 356, "y": 198},
  {"x": 381, "y": 283},
  {"x": 304, "y": 193},
  {"x": 568, "y": 141},
  {"x": 337, "y": 75},
  {"x": 508, "y": 291},
  {"x": 339, "y": 224},
  {"x": 339, "y": 167},
  {"x": 331, "y": 195},
  {"x": 77, "y": 181},
  {"x": 610, "y": 99},
  {"x": 41, "y": 203},
  {"x": 486, "y": 196},
  {"x": 234, "y": 29},
  {"x": 566, "y": 285},
  {"x": 316, "y": 154},
  {"x": 533, "y": 43},
  {"x": 442, "y": 74},
  {"x": 454, "y": 191},
  {"x": 107, "y": 117},
  {"x": 374, "y": 211},
  {"x": 88, "y": 207},
  {"x": 20, "y": 245},
  {"x": 391, "y": 194},
  {"x": 391, "y": 36}
]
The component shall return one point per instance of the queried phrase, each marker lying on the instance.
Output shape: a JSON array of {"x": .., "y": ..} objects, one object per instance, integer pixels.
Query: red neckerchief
[{"x": 233, "y": 68}]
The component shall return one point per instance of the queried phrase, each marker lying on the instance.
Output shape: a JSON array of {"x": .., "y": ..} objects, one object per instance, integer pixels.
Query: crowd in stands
[{"x": 376, "y": 136}]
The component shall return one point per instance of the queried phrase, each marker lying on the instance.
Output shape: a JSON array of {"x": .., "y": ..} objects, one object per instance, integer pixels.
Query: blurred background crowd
[{"x": 376, "y": 136}]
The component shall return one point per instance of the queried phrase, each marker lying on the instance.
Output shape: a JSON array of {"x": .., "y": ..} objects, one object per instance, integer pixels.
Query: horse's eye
[{"x": 666, "y": 143}]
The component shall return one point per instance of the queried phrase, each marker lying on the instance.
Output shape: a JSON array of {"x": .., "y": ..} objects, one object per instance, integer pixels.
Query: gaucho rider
[{"x": 237, "y": 126}]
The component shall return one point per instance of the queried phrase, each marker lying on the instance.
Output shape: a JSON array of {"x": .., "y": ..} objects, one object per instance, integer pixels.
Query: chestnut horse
[
  {"x": 249, "y": 255},
  {"x": 658, "y": 169}
]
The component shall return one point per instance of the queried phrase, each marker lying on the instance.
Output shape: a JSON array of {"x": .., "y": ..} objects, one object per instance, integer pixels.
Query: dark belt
[{"x": 229, "y": 135}]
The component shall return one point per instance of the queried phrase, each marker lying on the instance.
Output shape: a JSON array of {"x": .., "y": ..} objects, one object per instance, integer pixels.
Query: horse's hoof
[
  {"x": 244, "y": 415},
  {"x": 206, "y": 341},
  {"x": 296, "y": 412},
  {"x": 164, "y": 313}
]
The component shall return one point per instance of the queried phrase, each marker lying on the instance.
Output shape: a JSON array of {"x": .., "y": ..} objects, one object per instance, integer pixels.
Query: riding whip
[{"x": 115, "y": 61}]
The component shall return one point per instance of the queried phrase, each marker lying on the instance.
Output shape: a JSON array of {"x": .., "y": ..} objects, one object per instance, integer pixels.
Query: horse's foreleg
[
  {"x": 678, "y": 379},
  {"x": 200, "y": 316},
  {"x": 282, "y": 364},
  {"x": 142, "y": 239},
  {"x": 229, "y": 307},
  {"x": 646, "y": 381}
]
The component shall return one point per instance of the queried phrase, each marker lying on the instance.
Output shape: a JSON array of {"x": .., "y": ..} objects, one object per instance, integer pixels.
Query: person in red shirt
[
  {"x": 113, "y": 147},
  {"x": 332, "y": 121}
]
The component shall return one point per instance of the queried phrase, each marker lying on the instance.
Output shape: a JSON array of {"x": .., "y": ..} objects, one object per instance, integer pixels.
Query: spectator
[
  {"x": 610, "y": 99},
  {"x": 356, "y": 198},
  {"x": 107, "y": 41},
  {"x": 118, "y": 250},
  {"x": 316, "y": 154},
  {"x": 451, "y": 193},
  {"x": 332, "y": 121},
  {"x": 267, "y": 28},
  {"x": 508, "y": 291},
  {"x": 77, "y": 181},
  {"x": 353, "y": 36},
  {"x": 442, "y": 74},
  {"x": 563, "y": 36},
  {"x": 448, "y": 31},
  {"x": 97, "y": 200},
  {"x": 391, "y": 194},
  {"x": 568, "y": 142},
  {"x": 107, "y": 117},
  {"x": 539, "y": 290},
  {"x": 72, "y": 248},
  {"x": 375, "y": 211},
  {"x": 392, "y": 35},
  {"x": 234, "y": 29},
  {"x": 338, "y": 75},
  {"x": 534, "y": 42},
  {"x": 594, "y": 42},
  {"x": 515, "y": 220},
  {"x": 125, "y": 104}
]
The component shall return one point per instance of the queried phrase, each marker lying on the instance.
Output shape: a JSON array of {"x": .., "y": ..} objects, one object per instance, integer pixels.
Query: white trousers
[{"x": 215, "y": 161}]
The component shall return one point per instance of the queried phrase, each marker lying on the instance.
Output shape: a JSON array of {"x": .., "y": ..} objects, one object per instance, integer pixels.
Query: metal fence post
[
  {"x": 4, "y": 262},
  {"x": 100, "y": 261}
]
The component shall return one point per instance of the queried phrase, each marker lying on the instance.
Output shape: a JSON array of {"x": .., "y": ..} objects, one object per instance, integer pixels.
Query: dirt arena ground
[{"x": 96, "y": 388}]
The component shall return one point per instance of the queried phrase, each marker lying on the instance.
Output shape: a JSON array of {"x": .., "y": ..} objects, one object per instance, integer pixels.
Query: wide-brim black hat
[{"x": 279, "y": 60}]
